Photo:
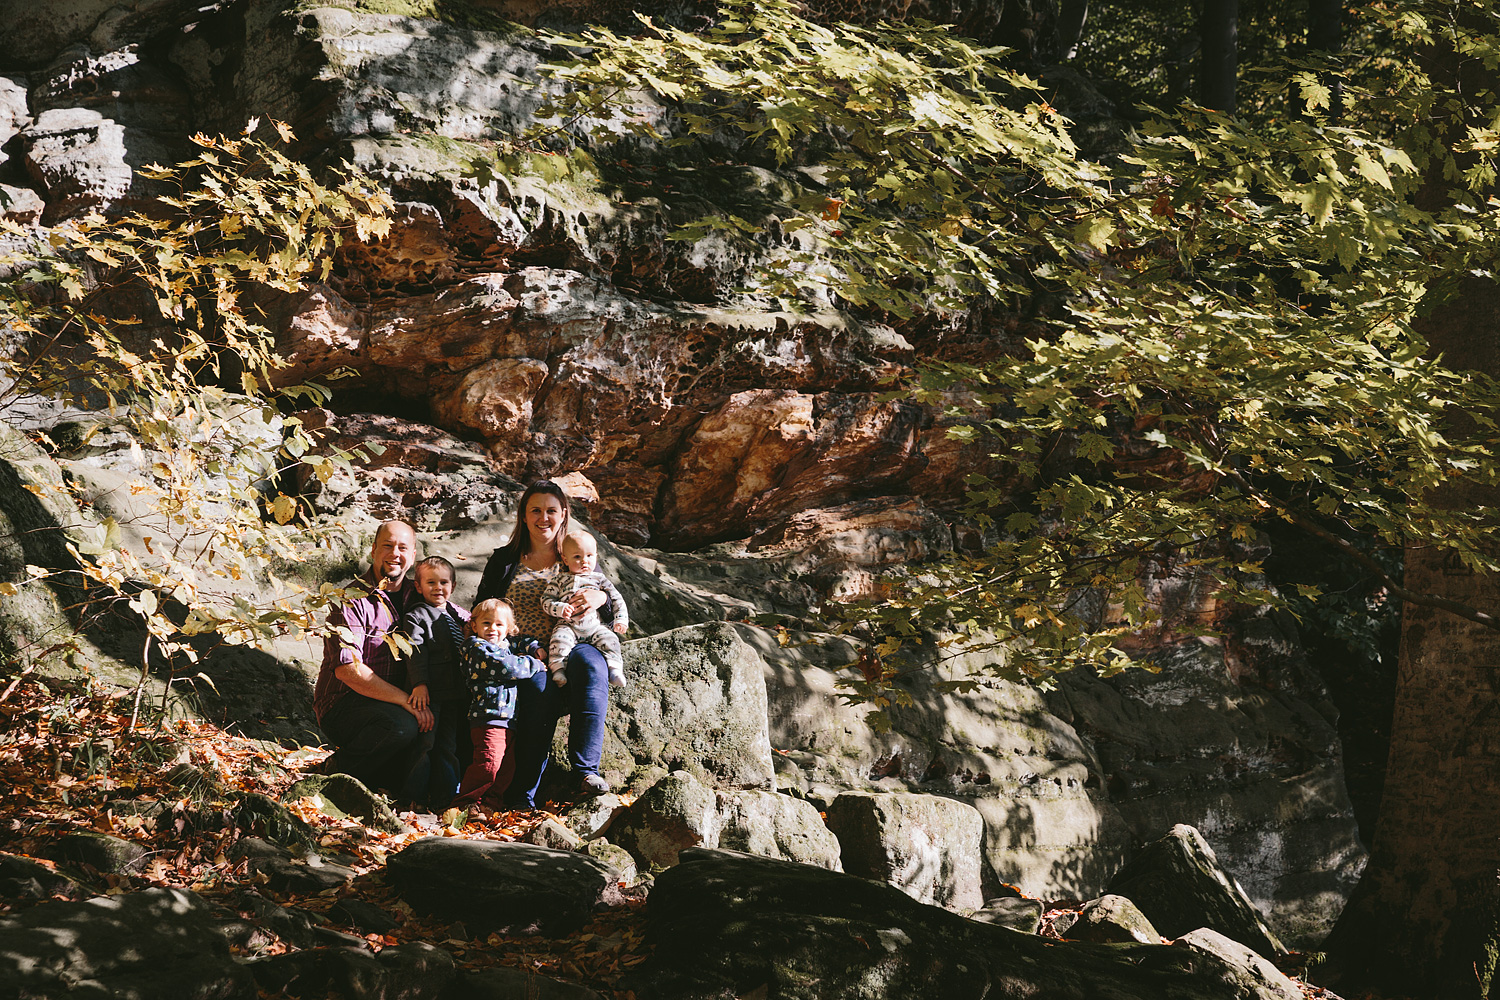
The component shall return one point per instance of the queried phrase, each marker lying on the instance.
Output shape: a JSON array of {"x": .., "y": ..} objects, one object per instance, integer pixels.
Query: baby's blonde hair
[
  {"x": 494, "y": 606},
  {"x": 576, "y": 539}
]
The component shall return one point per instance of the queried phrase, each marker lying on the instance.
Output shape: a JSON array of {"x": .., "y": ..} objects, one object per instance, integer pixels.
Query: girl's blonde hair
[{"x": 492, "y": 607}]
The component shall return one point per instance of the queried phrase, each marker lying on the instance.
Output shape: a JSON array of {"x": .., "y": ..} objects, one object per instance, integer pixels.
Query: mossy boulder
[{"x": 342, "y": 796}]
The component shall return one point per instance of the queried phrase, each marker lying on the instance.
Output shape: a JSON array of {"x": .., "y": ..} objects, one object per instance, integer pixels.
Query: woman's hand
[
  {"x": 585, "y": 601},
  {"x": 418, "y": 697}
]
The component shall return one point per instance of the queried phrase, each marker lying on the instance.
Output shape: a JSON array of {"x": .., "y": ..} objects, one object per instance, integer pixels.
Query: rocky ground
[{"x": 146, "y": 849}]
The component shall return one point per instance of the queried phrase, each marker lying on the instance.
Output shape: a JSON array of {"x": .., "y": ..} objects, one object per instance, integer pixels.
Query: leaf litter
[{"x": 69, "y": 766}]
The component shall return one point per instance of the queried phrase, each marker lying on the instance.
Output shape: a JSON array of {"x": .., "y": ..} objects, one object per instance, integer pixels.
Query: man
[{"x": 364, "y": 713}]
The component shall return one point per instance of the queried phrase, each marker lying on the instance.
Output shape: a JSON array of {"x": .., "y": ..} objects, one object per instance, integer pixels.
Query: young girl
[{"x": 493, "y": 662}]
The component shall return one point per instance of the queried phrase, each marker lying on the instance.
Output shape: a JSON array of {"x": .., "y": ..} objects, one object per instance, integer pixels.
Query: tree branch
[{"x": 1375, "y": 569}]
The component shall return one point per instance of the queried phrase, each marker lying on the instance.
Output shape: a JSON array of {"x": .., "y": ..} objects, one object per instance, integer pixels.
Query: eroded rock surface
[
  {"x": 98, "y": 949},
  {"x": 527, "y": 321},
  {"x": 729, "y": 924},
  {"x": 927, "y": 846},
  {"x": 679, "y": 812}
]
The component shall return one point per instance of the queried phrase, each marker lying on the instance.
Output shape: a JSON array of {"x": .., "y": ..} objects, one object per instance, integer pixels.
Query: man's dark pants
[{"x": 374, "y": 740}]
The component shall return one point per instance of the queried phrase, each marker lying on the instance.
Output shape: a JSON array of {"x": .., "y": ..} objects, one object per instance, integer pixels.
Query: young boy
[
  {"x": 493, "y": 663},
  {"x": 436, "y": 630},
  {"x": 576, "y": 572}
]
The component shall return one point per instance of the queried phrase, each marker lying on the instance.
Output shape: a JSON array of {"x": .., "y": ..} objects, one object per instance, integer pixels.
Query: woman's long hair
[{"x": 520, "y": 539}]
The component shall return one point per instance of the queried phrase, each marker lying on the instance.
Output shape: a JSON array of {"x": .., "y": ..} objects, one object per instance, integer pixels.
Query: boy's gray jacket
[{"x": 434, "y": 657}]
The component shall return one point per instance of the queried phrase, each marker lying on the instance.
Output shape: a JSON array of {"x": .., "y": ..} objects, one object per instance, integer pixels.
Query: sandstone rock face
[
  {"x": 541, "y": 323},
  {"x": 1049, "y": 827},
  {"x": 1178, "y": 884},
  {"x": 20, "y": 204},
  {"x": 926, "y": 846},
  {"x": 80, "y": 159},
  {"x": 15, "y": 114},
  {"x": 1214, "y": 741}
]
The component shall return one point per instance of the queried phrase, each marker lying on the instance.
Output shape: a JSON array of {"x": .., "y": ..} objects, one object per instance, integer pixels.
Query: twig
[
  {"x": 140, "y": 685},
  {"x": 11, "y": 688}
]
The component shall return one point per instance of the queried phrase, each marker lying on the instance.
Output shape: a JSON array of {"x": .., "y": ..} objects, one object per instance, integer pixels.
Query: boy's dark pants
[{"x": 433, "y": 777}]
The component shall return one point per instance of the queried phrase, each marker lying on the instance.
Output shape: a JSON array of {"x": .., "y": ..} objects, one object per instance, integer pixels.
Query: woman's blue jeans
[{"x": 539, "y": 706}]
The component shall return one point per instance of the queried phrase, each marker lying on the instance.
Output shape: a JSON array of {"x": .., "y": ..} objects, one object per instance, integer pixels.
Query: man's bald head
[{"x": 393, "y": 551}]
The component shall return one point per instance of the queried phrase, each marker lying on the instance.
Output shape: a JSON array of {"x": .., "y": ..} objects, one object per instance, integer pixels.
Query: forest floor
[{"x": 69, "y": 760}]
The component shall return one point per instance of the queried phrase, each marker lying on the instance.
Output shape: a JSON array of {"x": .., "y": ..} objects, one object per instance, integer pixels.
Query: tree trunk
[
  {"x": 1325, "y": 36},
  {"x": 1219, "y": 66},
  {"x": 1425, "y": 920},
  {"x": 1071, "y": 17}
]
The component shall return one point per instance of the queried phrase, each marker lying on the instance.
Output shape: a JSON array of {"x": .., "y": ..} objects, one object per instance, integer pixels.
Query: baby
[
  {"x": 576, "y": 572},
  {"x": 493, "y": 664},
  {"x": 436, "y": 630}
]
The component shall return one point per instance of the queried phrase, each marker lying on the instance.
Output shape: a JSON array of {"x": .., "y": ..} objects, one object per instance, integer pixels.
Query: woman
[{"x": 517, "y": 572}]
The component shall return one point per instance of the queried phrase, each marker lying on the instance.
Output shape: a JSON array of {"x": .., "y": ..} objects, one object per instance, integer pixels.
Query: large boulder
[
  {"x": 772, "y": 825},
  {"x": 1178, "y": 884},
  {"x": 927, "y": 846},
  {"x": 679, "y": 812},
  {"x": 676, "y": 812},
  {"x": 1233, "y": 735},
  {"x": 159, "y": 942},
  {"x": 497, "y": 886},
  {"x": 23, "y": 878},
  {"x": 696, "y": 702},
  {"x": 727, "y": 924},
  {"x": 1016, "y": 912},
  {"x": 101, "y": 851}
]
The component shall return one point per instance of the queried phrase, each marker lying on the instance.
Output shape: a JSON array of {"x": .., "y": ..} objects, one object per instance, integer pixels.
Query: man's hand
[
  {"x": 362, "y": 680},
  {"x": 418, "y": 697},
  {"x": 620, "y": 628},
  {"x": 425, "y": 718}
]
